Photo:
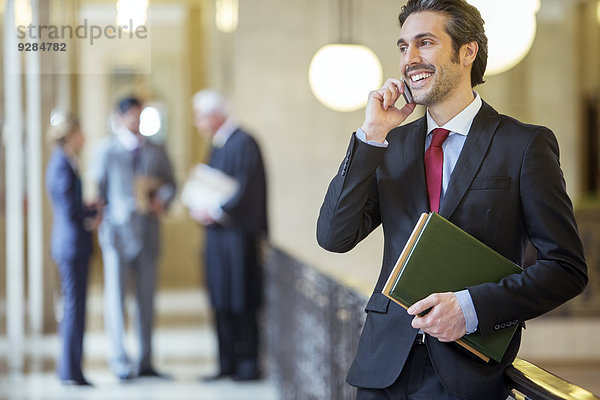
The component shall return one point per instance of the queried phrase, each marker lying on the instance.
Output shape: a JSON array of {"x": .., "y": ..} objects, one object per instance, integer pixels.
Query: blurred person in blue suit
[
  {"x": 135, "y": 180},
  {"x": 71, "y": 243}
]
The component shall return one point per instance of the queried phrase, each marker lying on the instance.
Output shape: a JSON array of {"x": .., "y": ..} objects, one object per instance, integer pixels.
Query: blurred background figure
[
  {"x": 233, "y": 234},
  {"x": 71, "y": 242},
  {"x": 135, "y": 179}
]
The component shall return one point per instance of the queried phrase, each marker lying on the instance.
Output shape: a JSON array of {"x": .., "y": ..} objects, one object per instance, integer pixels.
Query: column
[{"x": 13, "y": 139}]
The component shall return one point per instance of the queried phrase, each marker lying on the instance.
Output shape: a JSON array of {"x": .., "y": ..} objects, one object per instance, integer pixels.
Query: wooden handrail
[{"x": 535, "y": 383}]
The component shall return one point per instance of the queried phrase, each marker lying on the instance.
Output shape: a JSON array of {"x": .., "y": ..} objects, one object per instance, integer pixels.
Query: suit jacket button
[
  {"x": 503, "y": 325},
  {"x": 496, "y": 327}
]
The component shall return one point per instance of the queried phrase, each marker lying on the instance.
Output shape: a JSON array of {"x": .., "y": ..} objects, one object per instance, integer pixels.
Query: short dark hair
[
  {"x": 465, "y": 25},
  {"x": 127, "y": 103}
]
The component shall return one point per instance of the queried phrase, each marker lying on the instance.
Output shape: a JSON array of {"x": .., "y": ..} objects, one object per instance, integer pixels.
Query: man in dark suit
[
  {"x": 493, "y": 176},
  {"x": 234, "y": 231}
]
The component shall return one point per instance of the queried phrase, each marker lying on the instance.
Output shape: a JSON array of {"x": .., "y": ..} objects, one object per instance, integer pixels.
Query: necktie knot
[{"x": 439, "y": 136}]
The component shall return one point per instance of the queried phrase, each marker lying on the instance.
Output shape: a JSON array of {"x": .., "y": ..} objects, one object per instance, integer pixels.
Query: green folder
[{"x": 440, "y": 257}]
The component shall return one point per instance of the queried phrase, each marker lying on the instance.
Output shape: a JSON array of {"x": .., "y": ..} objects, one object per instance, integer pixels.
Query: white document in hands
[{"x": 208, "y": 188}]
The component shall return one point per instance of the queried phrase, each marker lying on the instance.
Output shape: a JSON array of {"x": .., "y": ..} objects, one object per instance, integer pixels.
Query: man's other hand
[{"x": 444, "y": 321}]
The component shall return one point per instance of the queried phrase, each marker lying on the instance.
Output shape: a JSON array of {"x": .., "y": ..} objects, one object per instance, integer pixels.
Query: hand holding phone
[{"x": 381, "y": 113}]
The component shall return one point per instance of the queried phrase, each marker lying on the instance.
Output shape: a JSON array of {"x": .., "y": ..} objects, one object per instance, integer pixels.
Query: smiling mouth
[{"x": 421, "y": 76}]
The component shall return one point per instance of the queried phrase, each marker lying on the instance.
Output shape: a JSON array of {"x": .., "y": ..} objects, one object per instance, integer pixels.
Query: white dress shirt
[{"x": 459, "y": 127}]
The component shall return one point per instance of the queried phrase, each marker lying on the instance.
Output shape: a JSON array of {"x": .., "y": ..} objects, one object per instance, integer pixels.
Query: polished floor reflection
[{"x": 184, "y": 346}]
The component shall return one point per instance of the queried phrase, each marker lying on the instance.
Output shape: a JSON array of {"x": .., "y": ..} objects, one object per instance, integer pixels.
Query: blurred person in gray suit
[
  {"x": 135, "y": 179},
  {"x": 234, "y": 232}
]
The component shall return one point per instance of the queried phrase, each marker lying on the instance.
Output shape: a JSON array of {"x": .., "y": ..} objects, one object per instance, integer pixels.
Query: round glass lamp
[
  {"x": 226, "y": 15},
  {"x": 342, "y": 75},
  {"x": 131, "y": 14},
  {"x": 510, "y": 26},
  {"x": 150, "y": 121},
  {"x": 22, "y": 12}
]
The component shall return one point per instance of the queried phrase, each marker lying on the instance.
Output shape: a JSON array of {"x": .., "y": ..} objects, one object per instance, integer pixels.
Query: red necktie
[{"x": 434, "y": 163}]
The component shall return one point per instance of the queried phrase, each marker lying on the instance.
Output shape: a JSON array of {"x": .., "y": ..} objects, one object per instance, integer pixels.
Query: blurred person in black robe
[{"x": 234, "y": 233}]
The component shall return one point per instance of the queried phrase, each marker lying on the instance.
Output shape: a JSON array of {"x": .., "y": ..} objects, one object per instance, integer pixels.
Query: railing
[
  {"x": 529, "y": 381},
  {"x": 312, "y": 333}
]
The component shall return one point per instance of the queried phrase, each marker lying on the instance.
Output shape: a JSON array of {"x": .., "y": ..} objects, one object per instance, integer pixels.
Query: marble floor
[{"x": 184, "y": 347}]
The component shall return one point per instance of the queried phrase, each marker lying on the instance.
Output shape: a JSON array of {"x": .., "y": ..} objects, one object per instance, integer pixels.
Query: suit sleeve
[
  {"x": 63, "y": 191},
  {"x": 167, "y": 191},
  {"x": 560, "y": 271},
  {"x": 350, "y": 210},
  {"x": 97, "y": 170},
  {"x": 248, "y": 203}
]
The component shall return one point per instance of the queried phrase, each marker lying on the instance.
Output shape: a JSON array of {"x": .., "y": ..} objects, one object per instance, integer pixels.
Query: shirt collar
[
  {"x": 128, "y": 139},
  {"x": 224, "y": 133},
  {"x": 461, "y": 123}
]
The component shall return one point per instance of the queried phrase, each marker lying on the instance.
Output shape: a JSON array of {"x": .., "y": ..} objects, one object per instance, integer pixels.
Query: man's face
[
  {"x": 131, "y": 119},
  {"x": 208, "y": 123},
  {"x": 428, "y": 61}
]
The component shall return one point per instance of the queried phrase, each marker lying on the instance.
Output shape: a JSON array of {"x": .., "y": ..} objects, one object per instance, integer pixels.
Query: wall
[{"x": 263, "y": 67}]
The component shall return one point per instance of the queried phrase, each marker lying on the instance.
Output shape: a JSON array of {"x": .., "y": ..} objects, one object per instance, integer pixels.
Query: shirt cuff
[
  {"x": 362, "y": 136},
  {"x": 468, "y": 310},
  {"x": 218, "y": 215},
  {"x": 165, "y": 193}
]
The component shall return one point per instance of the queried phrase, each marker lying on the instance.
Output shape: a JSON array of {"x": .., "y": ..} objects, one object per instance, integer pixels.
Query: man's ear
[{"x": 469, "y": 51}]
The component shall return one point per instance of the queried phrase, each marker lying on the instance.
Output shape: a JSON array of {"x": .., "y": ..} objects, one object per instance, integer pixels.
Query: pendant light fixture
[
  {"x": 226, "y": 15},
  {"x": 342, "y": 74},
  {"x": 510, "y": 26},
  {"x": 131, "y": 14}
]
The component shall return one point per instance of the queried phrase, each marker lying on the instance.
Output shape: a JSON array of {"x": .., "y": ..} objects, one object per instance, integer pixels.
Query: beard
[{"x": 443, "y": 81}]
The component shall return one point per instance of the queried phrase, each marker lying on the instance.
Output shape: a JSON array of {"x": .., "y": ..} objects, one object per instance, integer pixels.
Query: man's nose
[{"x": 413, "y": 56}]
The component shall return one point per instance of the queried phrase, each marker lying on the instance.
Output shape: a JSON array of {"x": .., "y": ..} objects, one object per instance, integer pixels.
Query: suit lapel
[
  {"x": 470, "y": 159},
  {"x": 414, "y": 151}
]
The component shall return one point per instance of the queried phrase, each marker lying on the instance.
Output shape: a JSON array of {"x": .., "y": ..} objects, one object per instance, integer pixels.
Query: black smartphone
[{"x": 407, "y": 93}]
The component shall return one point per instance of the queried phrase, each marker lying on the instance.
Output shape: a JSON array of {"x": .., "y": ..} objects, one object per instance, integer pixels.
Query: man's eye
[
  {"x": 402, "y": 49},
  {"x": 426, "y": 42}
]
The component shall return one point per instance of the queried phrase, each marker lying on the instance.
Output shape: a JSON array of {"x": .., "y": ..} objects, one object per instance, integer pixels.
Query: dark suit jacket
[
  {"x": 233, "y": 270},
  {"x": 69, "y": 241},
  {"x": 507, "y": 188}
]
